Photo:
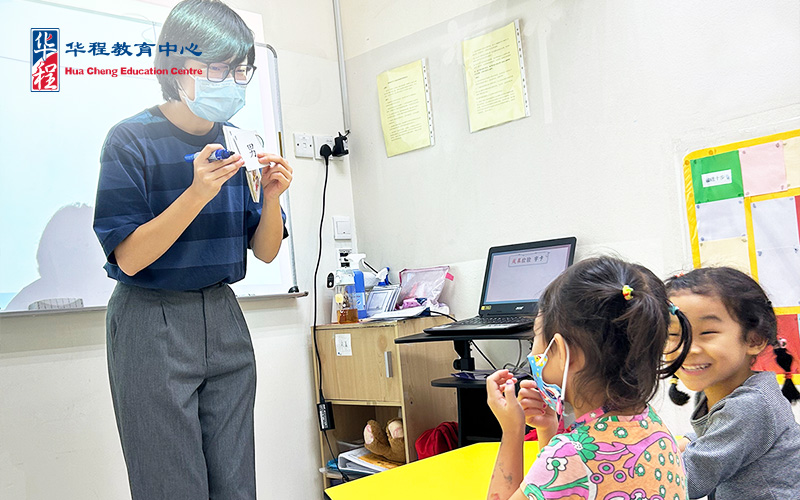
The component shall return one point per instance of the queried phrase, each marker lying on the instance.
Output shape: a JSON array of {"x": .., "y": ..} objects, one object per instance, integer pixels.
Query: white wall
[
  {"x": 619, "y": 90},
  {"x": 58, "y": 436}
]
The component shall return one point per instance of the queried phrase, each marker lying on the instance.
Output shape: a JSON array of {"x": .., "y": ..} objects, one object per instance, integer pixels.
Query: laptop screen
[{"x": 516, "y": 275}]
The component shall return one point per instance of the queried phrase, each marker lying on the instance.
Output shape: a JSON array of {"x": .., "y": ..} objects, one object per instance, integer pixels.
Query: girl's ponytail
[
  {"x": 683, "y": 345},
  {"x": 784, "y": 360},
  {"x": 677, "y": 396}
]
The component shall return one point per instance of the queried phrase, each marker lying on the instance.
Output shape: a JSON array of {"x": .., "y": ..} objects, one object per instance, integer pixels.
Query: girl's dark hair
[
  {"x": 623, "y": 341},
  {"x": 214, "y": 28},
  {"x": 745, "y": 301}
]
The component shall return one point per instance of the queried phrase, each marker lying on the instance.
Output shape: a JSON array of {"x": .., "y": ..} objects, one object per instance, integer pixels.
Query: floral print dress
[{"x": 609, "y": 458}]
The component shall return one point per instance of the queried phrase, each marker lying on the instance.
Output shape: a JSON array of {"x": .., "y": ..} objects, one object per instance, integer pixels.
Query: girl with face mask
[
  {"x": 596, "y": 360},
  {"x": 176, "y": 234}
]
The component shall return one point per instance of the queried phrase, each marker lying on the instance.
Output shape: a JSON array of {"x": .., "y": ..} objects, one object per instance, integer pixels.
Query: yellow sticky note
[{"x": 730, "y": 252}]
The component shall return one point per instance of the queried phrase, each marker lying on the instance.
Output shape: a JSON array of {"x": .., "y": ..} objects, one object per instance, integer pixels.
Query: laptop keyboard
[{"x": 493, "y": 320}]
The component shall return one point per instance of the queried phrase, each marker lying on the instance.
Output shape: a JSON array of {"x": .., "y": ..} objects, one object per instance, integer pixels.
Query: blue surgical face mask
[
  {"x": 216, "y": 101},
  {"x": 552, "y": 394}
]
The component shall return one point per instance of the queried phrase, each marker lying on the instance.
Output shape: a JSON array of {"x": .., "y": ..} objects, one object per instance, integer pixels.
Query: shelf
[
  {"x": 459, "y": 383},
  {"x": 426, "y": 337},
  {"x": 380, "y": 380}
]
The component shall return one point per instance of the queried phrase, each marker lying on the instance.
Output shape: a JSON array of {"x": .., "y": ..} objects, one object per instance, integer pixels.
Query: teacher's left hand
[{"x": 276, "y": 175}]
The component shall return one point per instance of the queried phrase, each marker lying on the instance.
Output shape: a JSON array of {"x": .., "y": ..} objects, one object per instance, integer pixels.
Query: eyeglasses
[{"x": 242, "y": 74}]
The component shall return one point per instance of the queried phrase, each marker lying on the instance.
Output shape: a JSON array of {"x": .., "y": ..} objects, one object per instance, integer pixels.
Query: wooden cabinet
[{"x": 365, "y": 375}]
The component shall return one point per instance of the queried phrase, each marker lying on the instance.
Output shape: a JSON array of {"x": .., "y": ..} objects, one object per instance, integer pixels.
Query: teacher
[{"x": 175, "y": 235}]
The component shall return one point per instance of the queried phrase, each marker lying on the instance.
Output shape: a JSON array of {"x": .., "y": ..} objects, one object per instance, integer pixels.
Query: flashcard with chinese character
[{"x": 248, "y": 144}]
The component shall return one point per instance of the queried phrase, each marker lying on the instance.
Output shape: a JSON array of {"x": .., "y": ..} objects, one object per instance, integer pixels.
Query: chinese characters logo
[{"x": 44, "y": 60}]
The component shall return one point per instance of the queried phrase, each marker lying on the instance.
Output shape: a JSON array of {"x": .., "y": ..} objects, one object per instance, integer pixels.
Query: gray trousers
[{"x": 183, "y": 381}]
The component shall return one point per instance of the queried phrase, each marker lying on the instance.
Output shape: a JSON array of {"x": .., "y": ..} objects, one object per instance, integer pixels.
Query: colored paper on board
[
  {"x": 791, "y": 159},
  {"x": 775, "y": 223},
  {"x": 763, "y": 170},
  {"x": 717, "y": 177},
  {"x": 778, "y": 272},
  {"x": 787, "y": 329},
  {"x": 721, "y": 219},
  {"x": 731, "y": 252}
]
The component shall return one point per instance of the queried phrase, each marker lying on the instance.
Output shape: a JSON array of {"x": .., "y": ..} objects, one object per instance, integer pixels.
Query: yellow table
[{"x": 460, "y": 474}]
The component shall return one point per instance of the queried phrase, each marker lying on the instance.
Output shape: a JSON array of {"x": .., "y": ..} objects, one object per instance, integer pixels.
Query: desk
[
  {"x": 476, "y": 423},
  {"x": 460, "y": 474}
]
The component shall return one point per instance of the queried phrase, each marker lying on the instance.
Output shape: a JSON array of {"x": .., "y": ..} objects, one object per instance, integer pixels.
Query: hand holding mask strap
[{"x": 552, "y": 394}]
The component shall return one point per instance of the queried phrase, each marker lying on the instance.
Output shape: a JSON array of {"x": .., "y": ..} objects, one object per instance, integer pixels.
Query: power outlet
[
  {"x": 341, "y": 256},
  {"x": 303, "y": 145},
  {"x": 319, "y": 140}
]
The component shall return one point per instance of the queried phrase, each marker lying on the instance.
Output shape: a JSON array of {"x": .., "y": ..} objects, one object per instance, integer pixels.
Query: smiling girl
[{"x": 746, "y": 442}]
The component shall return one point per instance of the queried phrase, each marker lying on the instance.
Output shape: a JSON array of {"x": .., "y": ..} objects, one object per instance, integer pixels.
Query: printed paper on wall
[
  {"x": 405, "y": 106},
  {"x": 494, "y": 70}
]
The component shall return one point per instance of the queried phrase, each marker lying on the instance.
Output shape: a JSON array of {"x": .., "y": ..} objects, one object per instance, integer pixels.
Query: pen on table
[{"x": 220, "y": 154}]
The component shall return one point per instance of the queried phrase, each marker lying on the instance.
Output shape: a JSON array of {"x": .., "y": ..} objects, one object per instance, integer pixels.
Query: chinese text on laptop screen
[{"x": 522, "y": 275}]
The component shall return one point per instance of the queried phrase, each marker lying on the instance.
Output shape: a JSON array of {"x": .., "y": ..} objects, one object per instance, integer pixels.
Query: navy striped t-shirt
[{"x": 142, "y": 171}]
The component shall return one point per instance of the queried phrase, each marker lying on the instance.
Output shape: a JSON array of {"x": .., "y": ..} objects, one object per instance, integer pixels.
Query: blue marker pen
[{"x": 220, "y": 154}]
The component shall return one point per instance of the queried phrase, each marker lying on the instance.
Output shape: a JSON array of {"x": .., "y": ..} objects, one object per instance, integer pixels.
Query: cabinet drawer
[{"x": 368, "y": 372}]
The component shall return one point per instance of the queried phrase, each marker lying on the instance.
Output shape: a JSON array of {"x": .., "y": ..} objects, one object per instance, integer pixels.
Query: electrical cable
[
  {"x": 370, "y": 267},
  {"x": 314, "y": 327},
  {"x": 482, "y": 354},
  {"x": 515, "y": 367},
  {"x": 330, "y": 449},
  {"x": 441, "y": 314},
  {"x": 316, "y": 292}
]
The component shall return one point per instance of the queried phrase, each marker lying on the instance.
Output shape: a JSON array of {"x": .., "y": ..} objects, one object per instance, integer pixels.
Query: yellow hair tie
[{"x": 627, "y": 292}]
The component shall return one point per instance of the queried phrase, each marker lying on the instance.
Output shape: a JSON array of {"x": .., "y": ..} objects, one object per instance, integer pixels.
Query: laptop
[{"x": 516, "y": 276}]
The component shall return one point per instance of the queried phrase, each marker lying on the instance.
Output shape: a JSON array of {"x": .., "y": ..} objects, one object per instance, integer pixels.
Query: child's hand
[
  {"x": 209, "y": 176},
  {"x": 502, "y": 400},
  {"x": 537, "y": 413},
  {"x": 275, "y": 176}
]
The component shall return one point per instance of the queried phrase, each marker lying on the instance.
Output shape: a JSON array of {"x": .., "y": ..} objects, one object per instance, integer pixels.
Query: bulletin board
[{"x": 743, "y": 209}]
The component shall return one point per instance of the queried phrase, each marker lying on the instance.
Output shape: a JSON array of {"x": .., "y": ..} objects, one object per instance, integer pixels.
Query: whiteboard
[{"x": 48, "y": 249}]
